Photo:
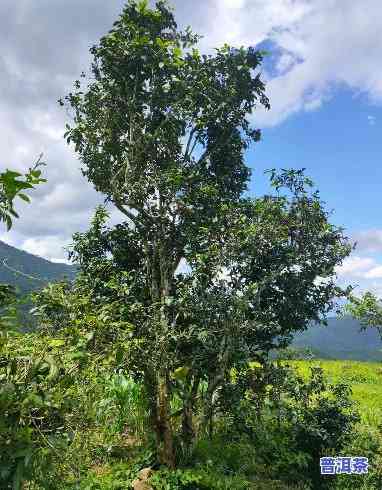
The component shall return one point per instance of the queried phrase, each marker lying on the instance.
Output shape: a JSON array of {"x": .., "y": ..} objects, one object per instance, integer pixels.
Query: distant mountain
[
  {"x": 28, "y": 272},
  {"x": 341, "y": 339}
]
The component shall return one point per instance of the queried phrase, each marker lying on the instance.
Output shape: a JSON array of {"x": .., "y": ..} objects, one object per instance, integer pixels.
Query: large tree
[{"x": 161, "y": 131}]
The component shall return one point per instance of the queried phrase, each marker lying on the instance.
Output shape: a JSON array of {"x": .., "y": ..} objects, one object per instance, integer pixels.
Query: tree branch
[
  {"x": 193, "y": 147},
  {"x": 124, "y": 211},
  {"x": 134, "y": 218},
  {"x": 186, "y": 154},
  {"x": 203, "y": 156}
]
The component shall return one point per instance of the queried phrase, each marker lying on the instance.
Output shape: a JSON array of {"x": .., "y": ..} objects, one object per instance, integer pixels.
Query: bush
[
  {"x": 365, "y": 442},
  {"x": 32, "y": 409},
  {"x": 177, "y": 480},
  {"x": 290, "y": 421}
]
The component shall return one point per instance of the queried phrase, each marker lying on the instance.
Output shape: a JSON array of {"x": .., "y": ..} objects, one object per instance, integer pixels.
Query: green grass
[{"x": 365, "y": 379}]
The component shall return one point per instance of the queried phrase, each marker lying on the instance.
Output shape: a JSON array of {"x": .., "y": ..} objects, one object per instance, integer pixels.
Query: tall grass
[{"x": 124, "y": 407}]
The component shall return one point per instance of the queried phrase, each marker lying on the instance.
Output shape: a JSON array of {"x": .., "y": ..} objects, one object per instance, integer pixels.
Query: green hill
[
  {"x": 28, "y": 272},
  {"x": 341, "y": 339}
]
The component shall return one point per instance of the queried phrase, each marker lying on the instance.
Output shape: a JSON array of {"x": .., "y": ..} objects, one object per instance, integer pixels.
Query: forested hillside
[
  {"x": 341, "y": 339},
  {"x": 28, "y": 272}
]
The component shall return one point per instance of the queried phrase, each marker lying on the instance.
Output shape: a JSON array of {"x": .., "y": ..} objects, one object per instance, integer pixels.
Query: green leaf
[
  {"x": 177, "y": 52},
  {"x": 77, "y": 355},
  {"x": 56, "y": 342},
  {"x": 181, "y": 373},
  {"x": 24, "y": 197}
]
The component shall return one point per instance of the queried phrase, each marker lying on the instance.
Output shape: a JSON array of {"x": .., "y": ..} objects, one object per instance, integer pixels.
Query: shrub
[
  {"x": 365, "y": 442},
  {"x": 290, "y": 421}
]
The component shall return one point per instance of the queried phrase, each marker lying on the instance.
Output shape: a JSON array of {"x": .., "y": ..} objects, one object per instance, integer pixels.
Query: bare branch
[
  {"x": 173, "y": 323},
  {"x": 193, "y": 147},
  {"x": 205, "y": 154},
  {"x": 186, "y": 153},
  {"x": 125, "y": 211},
  {"x": 135, "y": 218}
]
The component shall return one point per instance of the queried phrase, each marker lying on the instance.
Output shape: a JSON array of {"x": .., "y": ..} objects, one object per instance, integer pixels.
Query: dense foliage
[
  {"x": 77, "y": 418},
  {"x": 367, "y": 309}
]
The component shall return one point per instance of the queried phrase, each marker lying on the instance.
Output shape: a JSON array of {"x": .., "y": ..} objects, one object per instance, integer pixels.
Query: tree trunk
[
  {"x": 188, "y": 432},
  {"x": 213, "y": 384},
  {"x": 158, "y": 401},
  {"x": 160, "y": 272},
  {"x": 165, "y": 433},
  {"x": 160, "y": 292},
  {"x": 151, "y": 393}
]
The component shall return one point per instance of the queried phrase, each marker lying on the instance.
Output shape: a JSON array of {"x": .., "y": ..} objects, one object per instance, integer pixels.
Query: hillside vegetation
[
  {"x": 364, "y": 378},
  {"x": 342, "y": 338}
]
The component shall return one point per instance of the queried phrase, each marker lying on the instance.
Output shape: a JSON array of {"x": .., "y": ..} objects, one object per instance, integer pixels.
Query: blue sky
[
  {"x": 341, "y": 149},
  {"x": 324, "y": 81},
  {"x": 340, "y": 145}
]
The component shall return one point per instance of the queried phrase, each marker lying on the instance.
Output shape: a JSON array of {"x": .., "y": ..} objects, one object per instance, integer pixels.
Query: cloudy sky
[{"x": 324, "y": 81}]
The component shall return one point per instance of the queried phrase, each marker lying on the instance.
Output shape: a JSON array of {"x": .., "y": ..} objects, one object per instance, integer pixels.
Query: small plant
[{"x": 177, "y": 480}]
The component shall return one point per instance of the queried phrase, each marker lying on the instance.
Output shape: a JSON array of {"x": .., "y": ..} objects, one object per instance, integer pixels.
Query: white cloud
[
  {"x": 363, "y": 272},
  {"x": 60, "y": 261},
  {"x": 285, "y": 62},
  {"x": 45, "y": 125},
  {"x": 374, "y": 273},
  {"x": 368, "y": 240},
  {"x": 374, "y": 287},
  {"x": 323, "y": 45},
  {"x": 355, "y": 266},
  {"x": 50, "y": 247},
  {"x": 248, "y": 23},
  {"x": 233, "y": 4},
  {"x": 315, "y": 103}
]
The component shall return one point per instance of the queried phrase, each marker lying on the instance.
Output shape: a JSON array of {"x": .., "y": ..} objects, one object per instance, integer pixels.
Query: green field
[{"x": 365, "y": 379}]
